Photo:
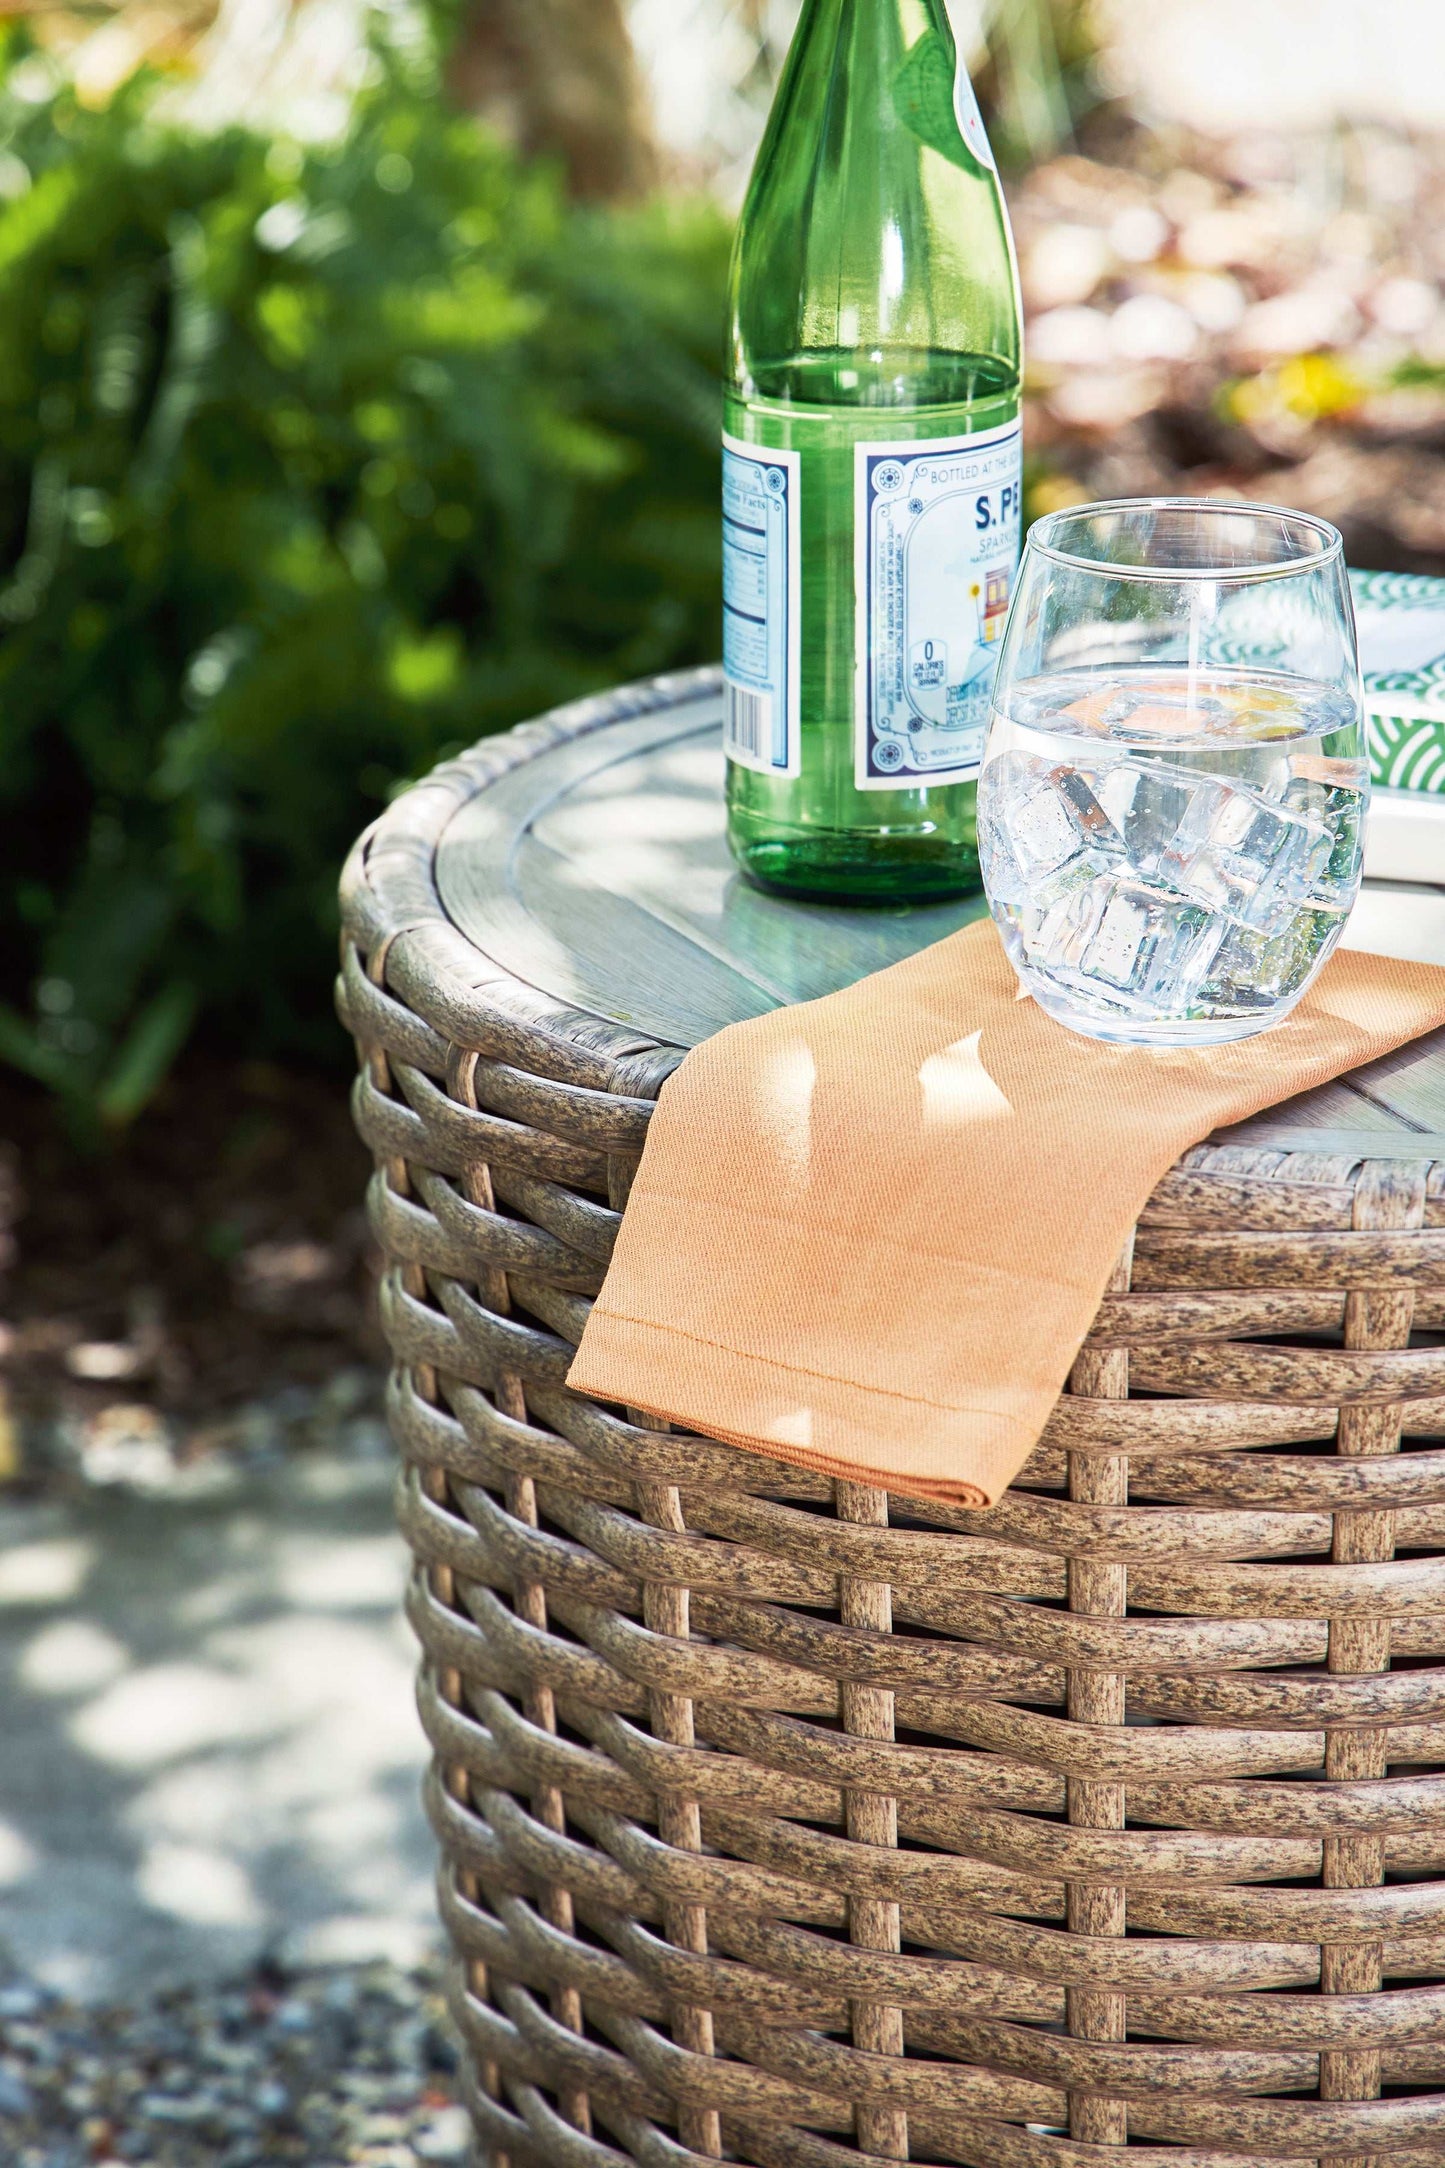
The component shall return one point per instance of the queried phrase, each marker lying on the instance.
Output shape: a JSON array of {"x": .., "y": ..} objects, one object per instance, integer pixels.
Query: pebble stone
[{"x": 347, "y": 2068}]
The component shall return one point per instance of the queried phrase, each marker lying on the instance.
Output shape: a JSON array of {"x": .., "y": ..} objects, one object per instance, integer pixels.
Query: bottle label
[
  {"x": 936, "y": 530},
  {"x": 762, "y": 608},
  {"x": 970, "y": 120}
]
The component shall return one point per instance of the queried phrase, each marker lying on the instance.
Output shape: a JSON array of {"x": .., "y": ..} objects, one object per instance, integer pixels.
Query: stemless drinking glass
[{"x": 1171, "y": 809}]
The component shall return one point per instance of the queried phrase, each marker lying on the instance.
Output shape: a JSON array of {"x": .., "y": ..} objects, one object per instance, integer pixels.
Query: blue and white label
[
  {"x": 970, "y": 120},
  {"x": 937, "y": 531},
  {"x": 762, "y": 614}
]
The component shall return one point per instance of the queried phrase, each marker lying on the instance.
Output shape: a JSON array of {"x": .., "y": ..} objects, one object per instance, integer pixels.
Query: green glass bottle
[{"x": 872, "y": 463}]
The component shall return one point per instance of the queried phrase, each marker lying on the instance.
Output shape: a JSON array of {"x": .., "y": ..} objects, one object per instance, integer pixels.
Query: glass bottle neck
[
  {"x": 907, "y": 19},
  {"x": 874, "y": 264}
]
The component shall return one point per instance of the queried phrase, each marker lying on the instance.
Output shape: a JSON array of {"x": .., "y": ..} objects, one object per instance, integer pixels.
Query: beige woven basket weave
[{"x": 799, "y": 1826}]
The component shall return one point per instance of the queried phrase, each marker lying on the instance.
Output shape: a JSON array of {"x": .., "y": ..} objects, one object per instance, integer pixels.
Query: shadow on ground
[{"x": 211, "y": 1752}]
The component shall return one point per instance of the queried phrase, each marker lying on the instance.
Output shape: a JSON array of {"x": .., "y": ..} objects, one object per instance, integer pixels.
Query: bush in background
[{"x": 315, "y": 463}]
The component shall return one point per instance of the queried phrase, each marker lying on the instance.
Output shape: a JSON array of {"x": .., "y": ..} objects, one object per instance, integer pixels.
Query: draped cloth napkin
[{"x": 869, "y": 1233}]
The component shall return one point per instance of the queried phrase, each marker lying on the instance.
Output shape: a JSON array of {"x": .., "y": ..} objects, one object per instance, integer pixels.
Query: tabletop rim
[
  {"x": 394, "y": 916},
  {"x": 403, "y": 946}
]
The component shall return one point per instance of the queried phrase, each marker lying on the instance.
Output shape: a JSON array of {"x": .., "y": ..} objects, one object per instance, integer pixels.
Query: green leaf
[
  {"x": 34, "y": 218},
  {"x": 20, "y": 1047},
  {"x": 155, "y": 1039},
  {"x": 283, "y": 521}
]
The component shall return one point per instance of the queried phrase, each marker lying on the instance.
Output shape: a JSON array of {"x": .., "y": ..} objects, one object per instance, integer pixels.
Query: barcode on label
[{"x": 747, "y": 722}]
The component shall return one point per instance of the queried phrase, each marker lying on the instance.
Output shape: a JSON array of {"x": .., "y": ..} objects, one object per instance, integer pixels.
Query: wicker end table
[{"x": 797, "y": 1825}]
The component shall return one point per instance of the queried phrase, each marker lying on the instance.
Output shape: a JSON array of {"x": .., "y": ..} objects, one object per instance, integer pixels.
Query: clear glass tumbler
[{"x": 1172, "y": 804}]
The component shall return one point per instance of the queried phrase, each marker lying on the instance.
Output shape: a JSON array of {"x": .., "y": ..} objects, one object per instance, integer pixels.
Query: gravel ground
[
  {"x": 326, "y": 2068},
  {"x": 1262, "y": 317}
]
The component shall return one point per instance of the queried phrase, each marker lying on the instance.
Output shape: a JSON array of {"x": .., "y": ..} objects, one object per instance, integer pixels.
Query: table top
[{"x": 597, "y": 872}]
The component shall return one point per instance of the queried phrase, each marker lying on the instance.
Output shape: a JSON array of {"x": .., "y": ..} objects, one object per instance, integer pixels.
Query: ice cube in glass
[
  {"x": 1146, "y": 801},
  {"x": 1243, "y": 855},
  {"x": 1034, "y": 820},
  {"x": 1254, "y": 969},
  {"x": 1150, "y": 942}
]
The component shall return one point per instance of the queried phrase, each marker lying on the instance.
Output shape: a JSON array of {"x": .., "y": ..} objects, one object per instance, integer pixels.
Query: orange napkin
[{"x": 870, "y": 1233}]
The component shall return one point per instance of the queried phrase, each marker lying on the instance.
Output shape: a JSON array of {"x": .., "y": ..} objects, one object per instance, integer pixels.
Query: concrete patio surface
[{"x": 209, "y": 1751}]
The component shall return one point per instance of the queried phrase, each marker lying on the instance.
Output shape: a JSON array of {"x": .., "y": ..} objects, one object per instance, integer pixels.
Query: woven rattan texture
[{"x": 799, "y": 1826}]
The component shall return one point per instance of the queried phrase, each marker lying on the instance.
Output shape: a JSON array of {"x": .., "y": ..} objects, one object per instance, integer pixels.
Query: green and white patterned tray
[{"x": 1402, "y": 653}]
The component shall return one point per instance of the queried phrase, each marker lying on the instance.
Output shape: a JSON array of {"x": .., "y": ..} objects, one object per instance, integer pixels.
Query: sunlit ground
[{"x": 210, "y": 1747}]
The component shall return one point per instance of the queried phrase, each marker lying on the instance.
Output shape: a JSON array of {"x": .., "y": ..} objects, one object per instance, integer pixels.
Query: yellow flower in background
[{"x": 1311, "y": 387}]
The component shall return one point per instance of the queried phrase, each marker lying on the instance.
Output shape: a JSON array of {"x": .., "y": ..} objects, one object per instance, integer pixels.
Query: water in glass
[{"x": 1167, "y": 847}]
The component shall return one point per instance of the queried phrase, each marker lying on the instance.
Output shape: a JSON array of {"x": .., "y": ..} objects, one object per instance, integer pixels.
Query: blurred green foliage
[
  {"x": 315, "y": 463},
  {"x": 1039, "y": 78}
]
